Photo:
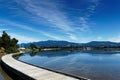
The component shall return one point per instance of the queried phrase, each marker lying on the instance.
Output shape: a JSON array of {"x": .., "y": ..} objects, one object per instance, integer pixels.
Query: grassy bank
[
  {"x": 2, "y": 52},
  {"x": 3, "y": 75}
]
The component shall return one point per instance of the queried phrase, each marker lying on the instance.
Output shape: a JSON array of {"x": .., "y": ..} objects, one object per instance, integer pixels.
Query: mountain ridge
[{"x": 55, "y": 43}]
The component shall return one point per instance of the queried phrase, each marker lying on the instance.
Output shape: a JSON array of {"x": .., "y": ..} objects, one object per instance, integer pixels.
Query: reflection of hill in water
[
  {"x": 66, "y": 53},
  {"x": 101, "y": 52},
  {"x": 53, "y": 53},
  {"x": 33, "y": 53}
]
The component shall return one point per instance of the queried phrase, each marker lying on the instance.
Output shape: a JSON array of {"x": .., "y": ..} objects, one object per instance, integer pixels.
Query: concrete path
[{"x": 34, "y": 72}]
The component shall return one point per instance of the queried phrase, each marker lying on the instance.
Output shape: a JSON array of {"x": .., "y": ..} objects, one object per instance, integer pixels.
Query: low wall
[{"x": 22, "y": 71}]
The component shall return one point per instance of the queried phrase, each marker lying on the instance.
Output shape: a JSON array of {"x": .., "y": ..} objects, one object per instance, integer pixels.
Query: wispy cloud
[
  {"x": 55, "y": 17},
  {"x": 3, "y": 29},
  {"x": 99, "y": 38},
  {"x": 49, "y": 11},
  {"x": 52, "y": 36},
  {"x": 91, "y": 8},
  {"x": 84, "y": 20},
  {"x": 72, "y": 36},
  {"x": 114, "y": 38},
  {"x": 28, "y": 28},
  {"x": 7, "y": 22},
  {"x": 84, "y": 24},
  {"x": 22, "y": 38}
]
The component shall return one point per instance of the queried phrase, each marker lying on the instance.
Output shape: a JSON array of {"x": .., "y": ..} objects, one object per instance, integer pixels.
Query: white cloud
[
  {"x": 22, "y": 26},
  {"x": 53, "y": 16},
  {"x": 84, "y": 40},
  {"x": 84, "y": 24},
  {"x": 3, "y": 29},
  {"x": 23, "y": 39},
  {"x": 49, "y": 11},
  {"x": 99, "y": 38},
  {"x": 72, "y": 36},
  {"x": 91, "y": 9},
  {"x": 84, "y": 21},
  {"x": 114, "y": 39},
  {"x": 25, "y": 27},
  {"x": 52, "y": 36}
]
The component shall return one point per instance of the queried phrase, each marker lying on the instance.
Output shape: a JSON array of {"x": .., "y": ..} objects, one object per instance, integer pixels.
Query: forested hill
[{"x": 52, "y": 43}]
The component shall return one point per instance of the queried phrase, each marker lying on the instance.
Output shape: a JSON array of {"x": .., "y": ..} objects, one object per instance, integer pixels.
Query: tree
[
  {"x": 33, "y": 46},
  {"x": 10, "y": 45},
  {"x": 5, "y": 40}
]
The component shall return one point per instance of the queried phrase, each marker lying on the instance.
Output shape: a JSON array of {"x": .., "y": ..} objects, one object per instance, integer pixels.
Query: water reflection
[
  {"x": 52, "y": 53},
  {"x": 71, "y": 52},
  {"x": 96, "y": 65},
  {"x": 33, "y": 53}
]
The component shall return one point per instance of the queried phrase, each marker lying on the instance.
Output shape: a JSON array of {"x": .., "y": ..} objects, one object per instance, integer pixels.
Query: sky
[{"x": 70, "y": 20}]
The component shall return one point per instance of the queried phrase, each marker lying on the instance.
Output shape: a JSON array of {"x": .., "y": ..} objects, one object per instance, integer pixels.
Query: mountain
[
  {"x": 52, "y": 43},
  {"x": 102, "y": 43}
]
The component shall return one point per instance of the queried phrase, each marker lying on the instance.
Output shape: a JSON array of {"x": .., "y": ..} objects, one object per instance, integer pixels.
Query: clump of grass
[{"x": 2, "y": 51}]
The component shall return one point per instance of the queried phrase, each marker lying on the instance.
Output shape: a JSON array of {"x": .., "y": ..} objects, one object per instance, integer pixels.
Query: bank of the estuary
[{"x": 3, "y": 74}]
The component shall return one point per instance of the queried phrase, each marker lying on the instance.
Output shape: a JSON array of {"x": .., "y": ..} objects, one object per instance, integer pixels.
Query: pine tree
[{"x": 10, "y": 45}]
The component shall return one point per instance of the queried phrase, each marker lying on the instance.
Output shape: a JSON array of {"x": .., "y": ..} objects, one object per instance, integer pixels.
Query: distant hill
[
  {"x": 102, "y": 43},
  {"x": 52, "y": 43}
]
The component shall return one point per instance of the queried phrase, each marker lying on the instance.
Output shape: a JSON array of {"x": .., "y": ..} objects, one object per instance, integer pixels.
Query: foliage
[
  {"x": 33, "y": 46},
  {"x": 10, "y": 45}
]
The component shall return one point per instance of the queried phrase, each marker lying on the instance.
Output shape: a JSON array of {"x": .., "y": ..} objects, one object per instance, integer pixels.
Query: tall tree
[
  {"x": 5, "y": 40},
  {"x": 10, "y": 45}
]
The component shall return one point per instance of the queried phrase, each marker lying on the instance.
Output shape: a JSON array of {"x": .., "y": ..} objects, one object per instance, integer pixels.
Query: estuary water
[{"x": 95, "y": 65}]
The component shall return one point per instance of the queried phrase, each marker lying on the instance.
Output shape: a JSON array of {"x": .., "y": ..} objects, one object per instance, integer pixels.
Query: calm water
[{"x": 96, "y": 65}]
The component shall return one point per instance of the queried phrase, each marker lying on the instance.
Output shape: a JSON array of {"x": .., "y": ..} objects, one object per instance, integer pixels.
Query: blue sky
[{"x": 70, "y": 20}]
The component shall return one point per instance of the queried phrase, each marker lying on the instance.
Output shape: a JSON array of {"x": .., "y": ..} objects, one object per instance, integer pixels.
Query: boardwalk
[{"x": 34, "y": 72}]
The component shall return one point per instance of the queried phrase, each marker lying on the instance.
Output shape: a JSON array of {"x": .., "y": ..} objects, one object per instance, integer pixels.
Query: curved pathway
[{"x": 34, "y": 72}]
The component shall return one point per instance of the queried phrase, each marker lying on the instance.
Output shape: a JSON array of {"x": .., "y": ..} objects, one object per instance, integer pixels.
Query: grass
[{"x": 2, "y": 52}]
